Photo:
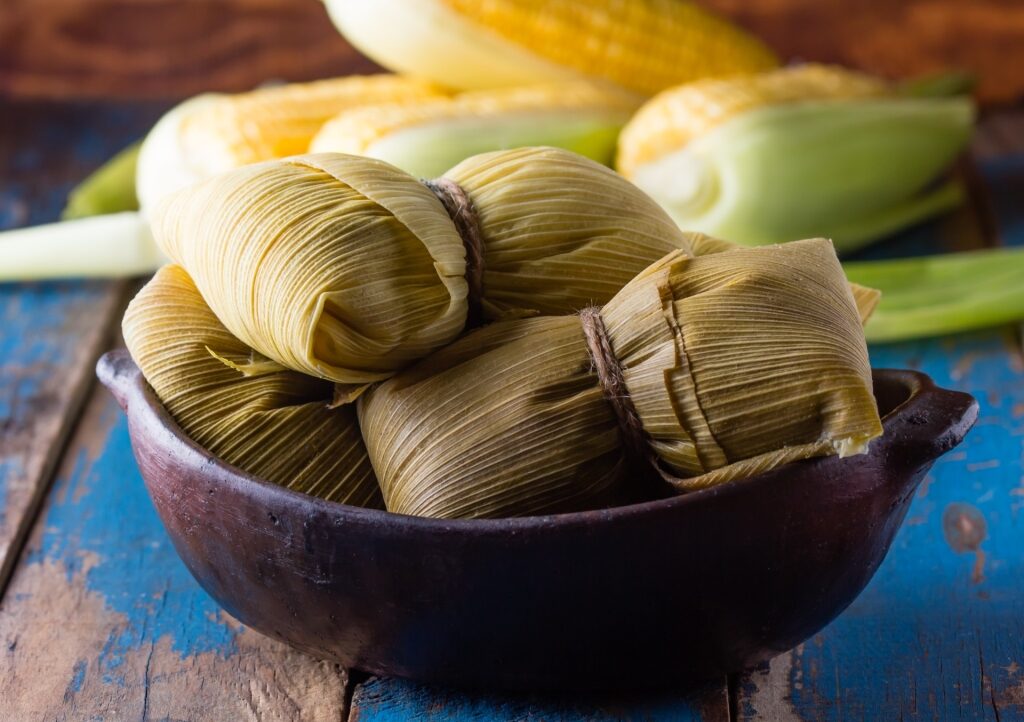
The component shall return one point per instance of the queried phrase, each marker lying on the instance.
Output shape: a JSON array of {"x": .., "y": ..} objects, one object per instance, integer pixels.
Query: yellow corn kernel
[
  {"x": 213, "y": 133},
  {"x": 280, "y": 121},
  {"x": 672, "y": 119},
  {"x": 429, "y": 137},
  {"x": 642, "y": 46}
]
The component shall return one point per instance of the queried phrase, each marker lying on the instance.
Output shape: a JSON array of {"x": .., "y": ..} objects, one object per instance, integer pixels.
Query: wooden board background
[{"x": 173, "y": 48}]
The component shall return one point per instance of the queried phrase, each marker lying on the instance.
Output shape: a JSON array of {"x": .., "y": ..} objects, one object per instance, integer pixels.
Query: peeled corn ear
[
  {"x": 428, "y": 137},
  {"x": 642, "y": 45},
  {"x": 213, "y": 133},
  {"x": 270, "y": 422},
  {"x": 734, "y": 362},
  {"x": 347, "y": 268},
  {"x": 808, "y": 150}
]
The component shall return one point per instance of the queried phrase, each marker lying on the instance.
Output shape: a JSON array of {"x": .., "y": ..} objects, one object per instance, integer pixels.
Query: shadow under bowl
[{"x": 662, "y": 592}]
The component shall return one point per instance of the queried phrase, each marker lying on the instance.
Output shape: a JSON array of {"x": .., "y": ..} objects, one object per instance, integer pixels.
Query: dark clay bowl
[{"x": 655, "y": 593}]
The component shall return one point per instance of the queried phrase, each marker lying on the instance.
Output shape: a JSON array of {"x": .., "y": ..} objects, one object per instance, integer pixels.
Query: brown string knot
[
  {"x": 613, "y": 384},
  {"x": 459, "y": 207}
]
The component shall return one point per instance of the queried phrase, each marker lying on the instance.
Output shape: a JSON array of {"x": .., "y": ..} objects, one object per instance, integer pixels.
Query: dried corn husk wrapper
[
  {"x": 347, "y": 268},
  {"x": 215, "y": 132},
  {"x": 427, "y": 138},
  {"x": 734, "y": 362},
  {"x": 247, "y": 410}
]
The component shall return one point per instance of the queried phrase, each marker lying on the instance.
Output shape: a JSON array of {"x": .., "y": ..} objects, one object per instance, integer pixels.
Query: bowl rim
[{"x": 118, "y": 371}]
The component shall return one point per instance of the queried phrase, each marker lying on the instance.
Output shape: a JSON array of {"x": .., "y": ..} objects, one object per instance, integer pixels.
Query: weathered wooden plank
[
  {"x": 164, "y": 48},
  {"x": 391, "y": 700},
  {"x": 102, "y": 621},
  {"x": 939, "y": 632},
  {"x": 897, "y": 39},
  {"x": 50, "y": 333}
]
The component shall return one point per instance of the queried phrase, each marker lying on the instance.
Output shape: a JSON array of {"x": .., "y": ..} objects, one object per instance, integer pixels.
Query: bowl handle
[
  {"x": 929, "y": 423},
  {"x": 119, "y": 374}
]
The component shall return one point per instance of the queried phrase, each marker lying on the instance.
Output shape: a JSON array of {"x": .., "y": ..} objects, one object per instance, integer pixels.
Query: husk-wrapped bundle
[
  {"x": 705, "y": 369},
  {"x": 247, "y": 410},
  {"x": 346, "y": 268}
]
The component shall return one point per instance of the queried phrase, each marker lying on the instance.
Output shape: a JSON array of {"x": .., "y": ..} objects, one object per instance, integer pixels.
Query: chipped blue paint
[
  {"x": 78, "y": 676},
  {"x": 928, "y": 636},
  {"x": 32, "y": 338},
  {"x": 393, "y": 700},
  {"x": 10, "y": 467},
  {"x": 33, "y": 345},
  {"x": 101, "y": 522},
  {"x": 939, "y": 631}
]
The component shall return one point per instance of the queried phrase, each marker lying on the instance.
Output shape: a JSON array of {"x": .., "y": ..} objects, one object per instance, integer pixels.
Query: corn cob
[
  {"x": 798, "y": 152},
  {"x": 213, "y": 133},
  {"x": 427, "y": 138},
  {"x": 639, "y": 45},
  {"x": 679, "y": 116}
]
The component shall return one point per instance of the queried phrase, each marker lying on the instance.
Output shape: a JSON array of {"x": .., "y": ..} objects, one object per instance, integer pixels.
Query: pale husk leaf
[
  {"x": 274, "y": 424},
  {"x": 745, "y": 356},
  {"x": 736, "y": 362},
  {"x": 346, "y": 268},
  {"x": 561, "y": 232},
  {"x": 337, "y": 266},
  {"x": 506, "y": 421}
]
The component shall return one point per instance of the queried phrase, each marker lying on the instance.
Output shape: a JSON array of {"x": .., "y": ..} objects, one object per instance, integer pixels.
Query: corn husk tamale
[
  {"x": 734, "y": 363},
  {"x": 347, "y": 268},
  {"x": 268, "y": 421}
]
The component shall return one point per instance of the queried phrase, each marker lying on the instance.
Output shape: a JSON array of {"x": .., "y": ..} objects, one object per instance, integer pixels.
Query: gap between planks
[{"x": 84, "y": 380}]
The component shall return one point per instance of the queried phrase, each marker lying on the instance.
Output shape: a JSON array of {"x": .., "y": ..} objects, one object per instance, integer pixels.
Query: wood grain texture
[
  {"x": 50, "y": 333},
  {"x": 172, "y": 48},
  {"x": 391, "y": 700},
  {"x": 164, "y": 48},
  {"x": 102, "y": 621},
  {"x": 939, "y": 632},
  {"x": 897, "y": 38}
]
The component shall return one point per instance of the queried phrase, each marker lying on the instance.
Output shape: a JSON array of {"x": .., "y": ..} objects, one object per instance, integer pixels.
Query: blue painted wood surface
[
  {"x": 50, "y": 333},
  {"x": 387, "y": 700},
  {"x": 939, "y": 632},
  {"x": 102, "y": 621}
]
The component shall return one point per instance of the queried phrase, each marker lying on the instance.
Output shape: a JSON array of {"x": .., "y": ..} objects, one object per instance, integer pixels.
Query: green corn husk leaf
[
  {"x": 101, "y": 235},
  {"x": 346, "y": 268},
  {"x": 853, "y": 171},
  {"x": 275, "y": 424},
  {"x": 939, "y": 85},
  {"x": 114, "y": 245},
  {"x": 949, "y": 293},
  {"x": 736, "y": 362},
  {"x": 109, "y": 189}
]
